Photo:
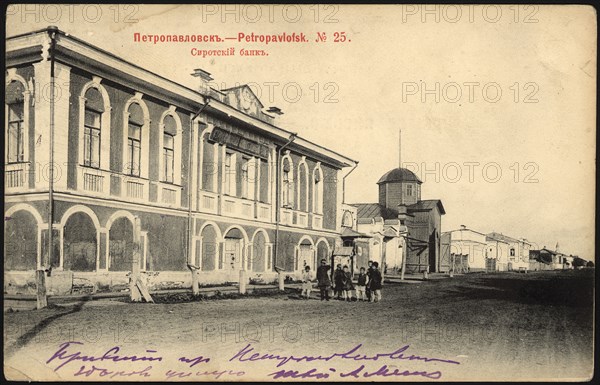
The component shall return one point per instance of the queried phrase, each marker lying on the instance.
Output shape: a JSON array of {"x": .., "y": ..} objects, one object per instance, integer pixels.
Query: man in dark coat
[
  {"x": 369, "y": 272},
  {"x": 323, "y": 280}
]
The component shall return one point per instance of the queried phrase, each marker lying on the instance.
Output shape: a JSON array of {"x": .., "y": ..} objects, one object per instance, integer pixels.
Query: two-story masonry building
[{"x": 211, "y": 179}]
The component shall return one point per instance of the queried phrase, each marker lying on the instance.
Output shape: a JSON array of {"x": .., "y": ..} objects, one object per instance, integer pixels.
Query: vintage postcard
[{"x": 208, "y": 192}]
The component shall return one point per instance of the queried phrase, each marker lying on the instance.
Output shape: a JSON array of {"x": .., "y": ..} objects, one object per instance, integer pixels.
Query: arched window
[
  {"x": 245, "y": 177},
  {"x": 168, "y": 150},
  {"x": 229, "y": 174},
  {"x": 318, "y": 190},
  {"x": 80, "y": 243},
  {"x": 134, "y": 140},
  {"x": 16, "y": 130},
  {"x": 322, "y": 252},
  {"x": 209, "y": 168},
  {"x": 258, "y": 261},
  {"x": 92, "y": 127},
  {"x": 210, "y": 248},
  {"x": 287, "y": 183},
  {"x": 20, "y": 241},
  {"x": 302, "y": 186},
  {"x": 347, "y": 220},
  {"x": 120, "y": 242}
]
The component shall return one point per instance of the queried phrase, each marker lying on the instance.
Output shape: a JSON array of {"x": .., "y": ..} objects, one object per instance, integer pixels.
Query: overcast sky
[{"x": 509, "y": 143}]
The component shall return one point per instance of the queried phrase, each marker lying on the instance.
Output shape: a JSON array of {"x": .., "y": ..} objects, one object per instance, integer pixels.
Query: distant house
[
  {"x": 568, "y": 261},
  {"x": 545, "y": 259},
  {"x": 469, "y": 243},
  {"x": 497, "y": 251},
  {"x": 510, "y": 253}
]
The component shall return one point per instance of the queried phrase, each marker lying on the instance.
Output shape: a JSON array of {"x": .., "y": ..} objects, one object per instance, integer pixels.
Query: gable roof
[
  {"x": 239, "y": 89},
  {"x": 426, "y": 205},
  {"x": 491, "y": 239},
  {"x": 349, "y": 233},
  {"x": 374, "y": 210},
  {"x": 501, "y": 237}
]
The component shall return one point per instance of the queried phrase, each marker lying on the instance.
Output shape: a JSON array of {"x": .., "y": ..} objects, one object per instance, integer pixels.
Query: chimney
[
  {"x": 402, "y": 213},
  {"x": 204, "y": 80},
  {"x": 275, "y": 110},
  {"x": 463, "y": 227}
]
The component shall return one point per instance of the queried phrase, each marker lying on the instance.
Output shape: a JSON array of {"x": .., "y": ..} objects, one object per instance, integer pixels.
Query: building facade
[
  {"x": 208, "y": 177},
  {"x": 487, "y": 252},
  {"x": 512, "y": 254},
  {"x": 546, "y": 259},
  {"x": 469, "y": 245},
  {"x": 402, "y": 225}
]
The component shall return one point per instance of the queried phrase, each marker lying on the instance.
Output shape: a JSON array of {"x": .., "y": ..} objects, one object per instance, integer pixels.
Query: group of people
[{"x": 368, "y": 285}]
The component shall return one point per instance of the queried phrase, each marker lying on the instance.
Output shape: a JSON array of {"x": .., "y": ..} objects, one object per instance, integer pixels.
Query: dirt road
[{"x": 472, "y": 327}]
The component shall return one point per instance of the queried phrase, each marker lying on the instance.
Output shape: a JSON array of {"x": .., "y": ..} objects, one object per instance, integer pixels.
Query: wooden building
[{"x": 403, "y": 225}]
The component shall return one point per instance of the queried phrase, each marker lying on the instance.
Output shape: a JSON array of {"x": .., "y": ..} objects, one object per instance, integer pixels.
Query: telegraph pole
[{"x": 40, "y": 276}]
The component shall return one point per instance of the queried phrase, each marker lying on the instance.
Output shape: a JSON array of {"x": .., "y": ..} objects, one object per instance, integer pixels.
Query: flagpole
[{"x": 399, "y": 148}]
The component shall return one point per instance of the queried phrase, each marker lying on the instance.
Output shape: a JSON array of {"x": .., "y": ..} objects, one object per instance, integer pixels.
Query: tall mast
[{"x": 399, "y": 148}]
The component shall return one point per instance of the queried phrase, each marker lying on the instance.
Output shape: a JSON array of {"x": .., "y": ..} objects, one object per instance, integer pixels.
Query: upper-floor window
[
  {"x": 209, "y": 166},
  {"x": 512, "y": 252},
  {"x": 287, "y": 188},
  {"x": 168, "y": 149},
  {"x": 134, "y": 149},
  {"x": 302, "y": 186},
  {"x": 168, "y": 157},
  {"x": 15, "y": 132},
  {"x": 317, "y": 190},
  {"x": 91, "y": 139},
  {"x": 134, "y": 140},
  {"x": 229, "y": 168},
  {"x": 409, "y": 190},
  {"x": 92, "y": 126},
  {"x": 245, "y": 177},
  {"x": 15, "y": 121}
]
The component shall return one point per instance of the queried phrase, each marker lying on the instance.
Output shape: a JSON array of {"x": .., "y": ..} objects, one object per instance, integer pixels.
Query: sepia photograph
[{"x": 284, "y": 192}]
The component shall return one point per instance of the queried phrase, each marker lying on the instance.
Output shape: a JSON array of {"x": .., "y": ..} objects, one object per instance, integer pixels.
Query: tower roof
[{"x": 399, "y": 175}]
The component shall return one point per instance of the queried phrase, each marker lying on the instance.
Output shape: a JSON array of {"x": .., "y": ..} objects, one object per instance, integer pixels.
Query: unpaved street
[{"x": 472, "y": 327}]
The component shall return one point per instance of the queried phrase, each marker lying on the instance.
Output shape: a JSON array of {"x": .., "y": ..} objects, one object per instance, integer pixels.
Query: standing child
[
  {"x": 375, "y": 283},
  {"x": 361, "y": 285},
  {"x": 338, "y": 281},
  {"x": 348, "y": 285},
  {"x": 307, "y": 278}
]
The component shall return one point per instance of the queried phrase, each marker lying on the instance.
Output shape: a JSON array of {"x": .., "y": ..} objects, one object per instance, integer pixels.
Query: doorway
[{"x": 233, "y": 254}]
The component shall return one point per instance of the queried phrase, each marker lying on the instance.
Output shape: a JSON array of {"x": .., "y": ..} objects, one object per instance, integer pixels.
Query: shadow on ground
[
  {"x": 572, "y": 290},
  {"x": 42, "y": 325}
]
